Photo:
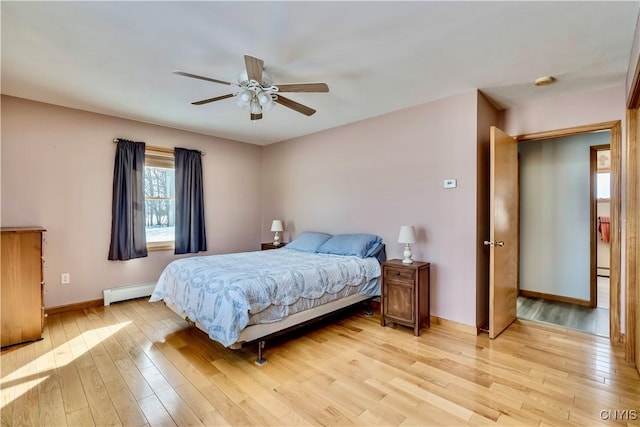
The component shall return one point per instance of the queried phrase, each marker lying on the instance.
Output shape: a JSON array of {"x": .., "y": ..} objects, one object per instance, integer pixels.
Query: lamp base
[
  {"x": 276, "y": 239},
  {"x": 407, "y": 255}
]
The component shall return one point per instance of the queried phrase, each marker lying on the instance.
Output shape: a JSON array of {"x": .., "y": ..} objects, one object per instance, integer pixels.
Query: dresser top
[{"x": 21, "y": 229}]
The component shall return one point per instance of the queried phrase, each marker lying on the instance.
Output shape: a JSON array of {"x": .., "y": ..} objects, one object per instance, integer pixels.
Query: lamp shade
[
  {"x": 407, "y": 234},
  {"x": 276, "y": 225}
]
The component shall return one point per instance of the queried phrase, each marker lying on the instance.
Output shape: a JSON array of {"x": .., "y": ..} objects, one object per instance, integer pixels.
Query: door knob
[
  {"x": 488, "y": 243},
  {"x": 499, "y": 243},
  {"x": 493, "y": 244}
]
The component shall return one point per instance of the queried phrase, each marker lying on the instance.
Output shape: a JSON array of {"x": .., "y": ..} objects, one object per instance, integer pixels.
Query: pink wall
[
  {"x": 378, "y": 174},
  {"x": 57, "y": 171}
]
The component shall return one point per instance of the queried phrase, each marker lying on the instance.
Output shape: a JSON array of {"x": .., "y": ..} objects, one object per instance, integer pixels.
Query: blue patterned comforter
[{"x": 220, "y": 291}]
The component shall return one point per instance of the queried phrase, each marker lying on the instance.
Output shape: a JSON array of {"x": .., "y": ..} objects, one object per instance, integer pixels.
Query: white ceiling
[{"x": 116, "y": 58}]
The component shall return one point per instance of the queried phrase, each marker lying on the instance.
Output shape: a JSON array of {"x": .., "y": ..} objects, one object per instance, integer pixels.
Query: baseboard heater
[{"x": 124, "y": 293}]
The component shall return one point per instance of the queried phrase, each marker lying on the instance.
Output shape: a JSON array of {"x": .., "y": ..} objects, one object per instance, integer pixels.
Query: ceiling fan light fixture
[
  {"x": 256, "y": 108},
  {"x": 256, "y": 92},
  {"x": 270, "y": 104},
  {"x": 245, "y": 96},
  {"x": 264, "y": 98}
]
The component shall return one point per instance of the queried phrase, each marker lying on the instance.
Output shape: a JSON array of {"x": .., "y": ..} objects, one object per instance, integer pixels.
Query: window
[
  {"x": 159, "y": 198},
  {"x": 603, "y": 185}
]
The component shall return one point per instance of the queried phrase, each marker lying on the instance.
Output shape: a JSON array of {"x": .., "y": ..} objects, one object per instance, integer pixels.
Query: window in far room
[
  {"x": 603, "y": 185},
  {"x": 159, "y": 198}
]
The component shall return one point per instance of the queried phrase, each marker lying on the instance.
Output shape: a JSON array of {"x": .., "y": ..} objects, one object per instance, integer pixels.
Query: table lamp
[{"x": 407, "y": 236}]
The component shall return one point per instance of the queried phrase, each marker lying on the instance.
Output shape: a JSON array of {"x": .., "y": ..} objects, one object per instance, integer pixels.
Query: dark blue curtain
[
  {"x": 190, "y": 230},
  {"x": 128, "y": 239}
]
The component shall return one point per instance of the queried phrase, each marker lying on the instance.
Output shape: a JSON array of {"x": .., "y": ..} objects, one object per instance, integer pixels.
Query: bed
[{"x": 246, "y": 297}]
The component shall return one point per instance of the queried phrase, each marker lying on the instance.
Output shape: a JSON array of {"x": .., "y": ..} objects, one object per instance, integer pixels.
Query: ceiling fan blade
[
  {"x": 303, "y": 87},
  {"x": 254, "y": 68},
  {"x": 195, "y": 76},
  {"x": 217, "y": 98},
  {"x": 307, "y": 111},
  {"x": 256, "y": 116}
]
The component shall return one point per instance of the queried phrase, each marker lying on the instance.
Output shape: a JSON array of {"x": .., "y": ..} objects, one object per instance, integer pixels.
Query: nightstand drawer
[{"x": 399, "y": 273}]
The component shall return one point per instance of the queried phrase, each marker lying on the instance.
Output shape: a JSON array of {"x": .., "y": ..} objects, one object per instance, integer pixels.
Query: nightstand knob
[{"x": 397, "y": 273}]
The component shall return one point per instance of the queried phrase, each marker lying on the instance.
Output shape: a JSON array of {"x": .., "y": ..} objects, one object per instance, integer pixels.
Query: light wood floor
[{"x": 136, "y": 363}]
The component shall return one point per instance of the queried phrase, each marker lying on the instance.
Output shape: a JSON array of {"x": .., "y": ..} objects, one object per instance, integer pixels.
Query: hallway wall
[{"x": 554, "y": 215}]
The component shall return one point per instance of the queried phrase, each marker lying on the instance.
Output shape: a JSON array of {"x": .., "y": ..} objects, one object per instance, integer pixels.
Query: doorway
[
  {"x": 615, "y": 142},
  {"x": 558, "y": 283},
  {"x": 528, "y": 308}
]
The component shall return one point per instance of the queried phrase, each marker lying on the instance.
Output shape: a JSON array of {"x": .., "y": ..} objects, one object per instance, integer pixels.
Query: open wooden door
[{"x": 503, "y": 239}]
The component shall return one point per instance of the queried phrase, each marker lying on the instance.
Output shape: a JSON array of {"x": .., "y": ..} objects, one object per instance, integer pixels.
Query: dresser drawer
[{"x": 399, "y": 273}]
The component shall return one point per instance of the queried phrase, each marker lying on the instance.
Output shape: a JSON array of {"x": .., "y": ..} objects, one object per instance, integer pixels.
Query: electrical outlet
[
  {"x": 65, "y": 278},
  {"x": 450, "y": 183}
]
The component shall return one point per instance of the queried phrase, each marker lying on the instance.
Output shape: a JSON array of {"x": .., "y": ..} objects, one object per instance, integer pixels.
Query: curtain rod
[{"x": 115, "y": 140}]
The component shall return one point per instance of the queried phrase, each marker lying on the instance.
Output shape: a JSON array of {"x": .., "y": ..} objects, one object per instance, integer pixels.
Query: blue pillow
[
  {"x": 360, "y": 245},
  {"x": 308, "y": 241}
]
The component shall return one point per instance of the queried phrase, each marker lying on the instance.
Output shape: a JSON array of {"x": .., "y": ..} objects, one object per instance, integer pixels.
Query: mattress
[{"x": 226, "y": 293}]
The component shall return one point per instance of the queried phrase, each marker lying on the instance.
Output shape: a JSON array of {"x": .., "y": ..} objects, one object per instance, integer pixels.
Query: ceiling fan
[{"x": 255, "y": 90}]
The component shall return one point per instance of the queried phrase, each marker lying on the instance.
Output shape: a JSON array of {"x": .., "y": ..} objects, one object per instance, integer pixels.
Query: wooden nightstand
[
  {"x": 270, "y": 245},
  {"x": 405, "y": 294}
]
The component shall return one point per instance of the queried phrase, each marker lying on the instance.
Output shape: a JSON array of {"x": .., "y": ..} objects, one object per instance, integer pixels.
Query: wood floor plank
[
  {"x": 80, "y": 417},
  {"x": 189, "y": 371},
  {"x": 200, "y": 406},
  {"x": 133, "y": 378},
  {"x": 155, "y": 379},
  {"x": 129, "y": 413},
  {"x": 228, "y": 408},
  {"x": 51, "y": 408},
  {"x": 432, "y": 414},
  {"x": 178, "y": 409},
  {"x": 168, "y": 369},
  {"x": 257, "y": 412},
  {"x": 293, "y": 419},
  {"x": 434, "y": 400},
  {"x": 7, "y": 387},
  {"x": 133, "y": 350},
  {"x": 302, "y": 398},
  {"x": 155, "y": 412},
  {"x": 73, "y": 395},
  {"x": 26, "y": 405},
  {"x": 102, "y": 408},
  {"x": 322, "y": 386}
]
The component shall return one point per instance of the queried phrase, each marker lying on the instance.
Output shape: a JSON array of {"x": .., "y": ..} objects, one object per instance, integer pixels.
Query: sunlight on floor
[{"x": 23, "y": 379}]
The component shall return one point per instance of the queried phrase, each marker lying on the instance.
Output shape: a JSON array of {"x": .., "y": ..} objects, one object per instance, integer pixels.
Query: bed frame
[{"x": 264, "y": 331}]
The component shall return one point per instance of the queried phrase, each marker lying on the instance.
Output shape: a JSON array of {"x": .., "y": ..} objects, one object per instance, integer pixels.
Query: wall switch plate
[
  {"x": 65, "y": 278},
  {"x": 450, "y": 183}
]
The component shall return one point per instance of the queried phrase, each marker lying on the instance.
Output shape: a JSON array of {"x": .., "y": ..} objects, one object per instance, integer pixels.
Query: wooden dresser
[
  {"x": 21, "y": 285},
  {"x": 405, "y": 294}
]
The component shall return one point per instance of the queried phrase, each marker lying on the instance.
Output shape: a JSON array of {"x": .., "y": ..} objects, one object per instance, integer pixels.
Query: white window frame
[{"x": 161, "y": 158}]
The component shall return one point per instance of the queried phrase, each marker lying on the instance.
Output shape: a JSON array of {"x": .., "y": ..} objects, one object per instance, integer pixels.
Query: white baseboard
[{"x": 124, "y": 293}]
